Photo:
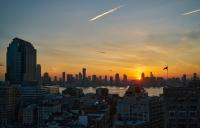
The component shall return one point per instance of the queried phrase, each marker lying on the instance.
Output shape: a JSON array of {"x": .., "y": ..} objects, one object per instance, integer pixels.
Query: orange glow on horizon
[
  {"x": 138, "y": 78},
  {"x": 133, "y": 73}
]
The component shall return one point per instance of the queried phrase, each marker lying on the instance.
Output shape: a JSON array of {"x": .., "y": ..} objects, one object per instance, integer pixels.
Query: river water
[{"x": 152, "y": 91}]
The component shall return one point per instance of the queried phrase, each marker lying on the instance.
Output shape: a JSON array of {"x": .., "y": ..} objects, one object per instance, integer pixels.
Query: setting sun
[
  {"x": 138, "y": 77},
  {"x": 137, "y": 72}
]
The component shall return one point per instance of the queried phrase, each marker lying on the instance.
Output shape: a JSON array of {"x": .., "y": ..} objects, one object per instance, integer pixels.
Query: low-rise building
[
  {"x": 7, "y": 105},
  {"x": 135, "y": 110},
  {"x": 46, "y": 108},
  {"x": 29, "y": 116}
]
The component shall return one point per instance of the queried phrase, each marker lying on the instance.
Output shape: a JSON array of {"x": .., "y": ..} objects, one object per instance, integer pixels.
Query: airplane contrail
[
  {"x": 105, "y": 13},
  {"x": 195, "y": 11}
]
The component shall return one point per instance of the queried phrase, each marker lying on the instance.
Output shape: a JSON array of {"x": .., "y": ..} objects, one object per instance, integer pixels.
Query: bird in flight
[{"x": 101, "y": 52}]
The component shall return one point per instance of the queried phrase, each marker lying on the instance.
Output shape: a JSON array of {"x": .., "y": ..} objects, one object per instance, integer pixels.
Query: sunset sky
[{"x": 141, "y": 36}]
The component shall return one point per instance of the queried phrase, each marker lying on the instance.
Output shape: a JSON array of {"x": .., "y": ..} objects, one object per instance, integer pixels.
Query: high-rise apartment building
[
  {"x": 182, "y": 107},
  {"x": 21, "y": 61}
]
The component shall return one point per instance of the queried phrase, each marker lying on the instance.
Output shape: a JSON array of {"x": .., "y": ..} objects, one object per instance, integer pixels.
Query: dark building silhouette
[
  {"x": 63, "y": 77},
  {"x": 70, "y": 78},
  {"x": 89, "y": 78},
  {"x": 195, "y": 76},
  {"x": 151, "y": 75},
  {"x": 182, "y": 107},
  {"x": 106, "y": 79},
  {"x": 38, "y": 74},
  {"x": 117, "y": 78},
  {"x": 21, "y": 61},
  {"x": 80, "y": 76},
  {"x": 46, "y": 79},
  {"x": 84, "y": 73},
  {"x": 7, "y": 104},
  {"x": 143, "y": 76},
  {"x": 125, "y": 79},
  {"x": 111, "y": 80},
  {"x": 184, "y": 79},
  {"x": 94, "y": 78}
]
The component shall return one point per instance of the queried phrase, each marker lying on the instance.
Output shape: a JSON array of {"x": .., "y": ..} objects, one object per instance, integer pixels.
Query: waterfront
[{"x": 152, "y": 91}]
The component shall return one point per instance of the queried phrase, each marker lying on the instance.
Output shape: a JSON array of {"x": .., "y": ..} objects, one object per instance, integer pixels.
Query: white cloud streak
[
  {"x": 105, "y": 13},
  {"x": 195, "y": 11}
]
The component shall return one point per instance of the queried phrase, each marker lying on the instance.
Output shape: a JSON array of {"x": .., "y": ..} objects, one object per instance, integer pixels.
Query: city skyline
[
  {"x": 140, "y": 37},
  {"x": 100, "y": 64}
]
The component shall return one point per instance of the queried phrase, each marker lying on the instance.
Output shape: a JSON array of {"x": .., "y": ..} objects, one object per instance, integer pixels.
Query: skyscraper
[
  {"x": 63, "y": 77},
  {"x": 125, "y": 78},
  {"x": 117, "y": 78},
  {"x": 106, "y": 79},
  {"x": 84, "y": 73},
  {"x": 21, "y": 61},
  {"x": 38, "y": 74},
  {"x": 80, "y": 76},
  {"x": 76, "y": 77},
  {"x": 111, "y": 80},
  {"x": 151, "y": 74},
  {"x": 143, "y": 76}
]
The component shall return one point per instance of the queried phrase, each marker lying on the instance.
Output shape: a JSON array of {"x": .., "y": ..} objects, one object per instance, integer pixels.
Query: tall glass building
[{"x": 21, "y": 61}]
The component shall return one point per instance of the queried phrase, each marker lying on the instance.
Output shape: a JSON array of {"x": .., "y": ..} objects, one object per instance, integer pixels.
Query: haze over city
[{"x": 106, "y": 37}]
